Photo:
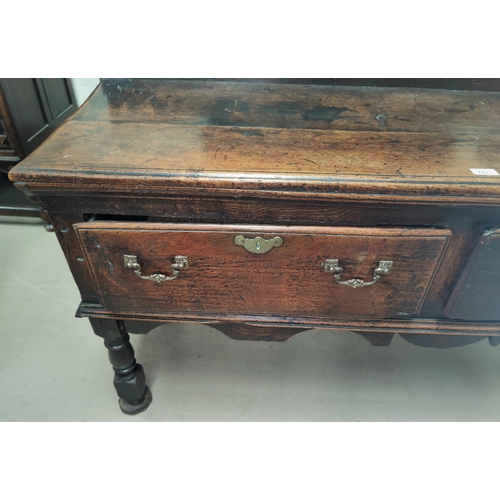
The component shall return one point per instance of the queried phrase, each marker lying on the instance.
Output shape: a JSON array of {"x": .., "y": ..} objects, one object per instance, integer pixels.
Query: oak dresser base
[{"x": 265, "y": 210}]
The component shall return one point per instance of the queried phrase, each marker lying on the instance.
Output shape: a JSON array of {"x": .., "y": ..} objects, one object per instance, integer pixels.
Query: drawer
[{"x": 158, "y": 268}]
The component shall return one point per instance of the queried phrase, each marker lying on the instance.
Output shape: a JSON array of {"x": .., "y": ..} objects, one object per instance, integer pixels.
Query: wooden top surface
[{"x": 359, "y": 143}]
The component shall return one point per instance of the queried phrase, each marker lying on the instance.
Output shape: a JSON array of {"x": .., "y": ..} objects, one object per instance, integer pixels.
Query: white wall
[{"x": 83, "y": 87}]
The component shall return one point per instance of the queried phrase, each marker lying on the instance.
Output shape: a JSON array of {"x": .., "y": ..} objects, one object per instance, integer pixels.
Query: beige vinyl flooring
[{"x": 53, "y": 368}]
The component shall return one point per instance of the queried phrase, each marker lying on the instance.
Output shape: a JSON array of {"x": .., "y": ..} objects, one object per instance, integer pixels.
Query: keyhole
[{"x": 257, "y": 246}]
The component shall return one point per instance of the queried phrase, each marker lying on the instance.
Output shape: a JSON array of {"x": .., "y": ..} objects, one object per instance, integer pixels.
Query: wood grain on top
[
  {"x": 139, "y": 135},
  {"x": 295, "y": 106}
]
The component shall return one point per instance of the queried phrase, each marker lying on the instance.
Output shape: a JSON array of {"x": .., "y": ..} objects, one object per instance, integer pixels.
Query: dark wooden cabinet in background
[{"x": 30, "y": 110}]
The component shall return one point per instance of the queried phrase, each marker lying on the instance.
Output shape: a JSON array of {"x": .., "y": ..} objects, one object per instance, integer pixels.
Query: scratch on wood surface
[
  {"x": 426, "y": 118},
  {"x": 310, "y": 161}
]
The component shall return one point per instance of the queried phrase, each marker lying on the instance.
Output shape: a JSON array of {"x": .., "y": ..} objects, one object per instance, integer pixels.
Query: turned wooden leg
[{"x": 130, "y": 380}]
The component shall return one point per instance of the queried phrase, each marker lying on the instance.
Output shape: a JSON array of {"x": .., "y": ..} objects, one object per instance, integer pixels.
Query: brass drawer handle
[
  {"x": 180, "y": 262},
  {"x": 258, "y": 244},
  {"x": 332, "y": 266}
]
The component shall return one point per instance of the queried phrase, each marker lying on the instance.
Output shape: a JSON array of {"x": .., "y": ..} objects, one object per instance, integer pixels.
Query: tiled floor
[{"x": 53, "y": 368}]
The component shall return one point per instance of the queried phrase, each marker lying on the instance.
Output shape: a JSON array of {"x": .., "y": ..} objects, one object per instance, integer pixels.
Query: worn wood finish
[
  {"x": 290, "y": 280},
  {"x": 376, "y": 336},
  {"x": 163, "y": 168},
  {"x": 411, "y": 325},
  {"x": 285, "y": 161},
  {"x": 166, "y": 207},
  {"x": 237, "y": 331},
  {"x": 70, "y": 244},
  {"x": 302, "y": 155},
  {"x": 291, "y": 106}
]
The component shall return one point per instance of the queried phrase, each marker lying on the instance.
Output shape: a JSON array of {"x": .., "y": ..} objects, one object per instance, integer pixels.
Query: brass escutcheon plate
[{"x": 258, "y": 244}]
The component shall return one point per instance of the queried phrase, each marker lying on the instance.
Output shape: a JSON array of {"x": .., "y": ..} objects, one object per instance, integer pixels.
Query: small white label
[{"x": 484, "y": 171}]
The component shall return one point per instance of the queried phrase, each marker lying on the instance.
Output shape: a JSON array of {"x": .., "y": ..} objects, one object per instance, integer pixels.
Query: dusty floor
[{"x": 53, "y": 368}]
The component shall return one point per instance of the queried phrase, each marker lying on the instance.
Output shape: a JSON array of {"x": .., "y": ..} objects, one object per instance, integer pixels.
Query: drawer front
[
  {"x": 477, "y": 293},
  {"x": 261, "y": 270}
]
